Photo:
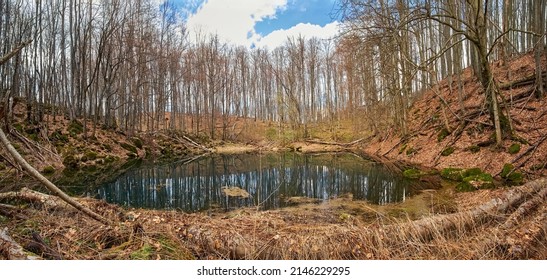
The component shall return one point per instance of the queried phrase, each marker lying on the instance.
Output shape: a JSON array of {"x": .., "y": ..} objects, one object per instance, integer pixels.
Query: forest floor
[
  {"x": 470, "y": 135},
  {"x": 499, "y": 223}
]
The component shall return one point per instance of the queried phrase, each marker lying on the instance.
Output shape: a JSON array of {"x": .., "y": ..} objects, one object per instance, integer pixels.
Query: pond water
[{"x": 270, "y": 179}]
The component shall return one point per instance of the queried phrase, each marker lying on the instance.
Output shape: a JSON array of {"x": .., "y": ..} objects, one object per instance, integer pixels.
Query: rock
[
  {"x": 235, "y": 192},
  {"x": 458, "y": 174},
  {"x": 510, "y": 176},
  {"x": 475, "y": 182},
  {"x": 514, "y": 149},
  {"x": 412, "y": 173},
  {"x": 454, "y": 174}
]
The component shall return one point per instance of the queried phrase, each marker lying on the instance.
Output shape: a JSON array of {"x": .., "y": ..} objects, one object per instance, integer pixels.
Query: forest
[
  {"x": 405, "y": 81},
  {"x": 127, "y": 64}
]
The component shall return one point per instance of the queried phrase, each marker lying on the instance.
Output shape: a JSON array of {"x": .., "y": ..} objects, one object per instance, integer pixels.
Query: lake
[{"x": 270, "y": 180}]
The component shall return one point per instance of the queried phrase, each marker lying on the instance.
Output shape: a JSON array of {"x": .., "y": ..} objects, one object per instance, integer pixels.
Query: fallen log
[
  {"x": 426, "y": 229},
  {"x": 11, "y": 250},
  {"x": 533, "y": 147},
  {"x": 525, "y": 243},
  {"x": 44, "y": 200},
  {"x": 335, "y": 143},
  {"x": 193, "y": 143},
  {"x": 525, "y": 208}
]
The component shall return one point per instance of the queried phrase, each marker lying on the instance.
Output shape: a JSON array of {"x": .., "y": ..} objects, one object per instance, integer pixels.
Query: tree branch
[{"x": 14, "y": 52}]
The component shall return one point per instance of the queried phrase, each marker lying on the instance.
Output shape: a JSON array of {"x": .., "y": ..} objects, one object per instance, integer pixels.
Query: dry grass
[{"x": 511, "y": 227}]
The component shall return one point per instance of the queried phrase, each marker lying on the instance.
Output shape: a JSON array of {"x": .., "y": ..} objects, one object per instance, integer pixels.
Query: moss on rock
[
  {"x": 412, "y": 173},
  {"x": 472, "y": 172},
  {"x": 137, "y": 142},
  {"x": 70, "y": 162},
  {"x": 459, "y": 174},
  {"x": 410, "y": 151},
  {"x": 473, "y": 149},
  {"x": 510, "y": 176},
  {"x": 442, "y": 134},
  {"x": 448, "y": 151},
  {"x": 75, "y": 127},
  {"x": 58, "y": 137},
  {"x": 514, "y": 148},
  {"x": 475, "y": 182},
  {"x": 454, "y": 174},
  {"x": 91, "y": 155}
]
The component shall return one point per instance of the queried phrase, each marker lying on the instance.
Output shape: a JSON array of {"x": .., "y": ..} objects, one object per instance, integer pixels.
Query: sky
[{"x": 259, "y": 23}]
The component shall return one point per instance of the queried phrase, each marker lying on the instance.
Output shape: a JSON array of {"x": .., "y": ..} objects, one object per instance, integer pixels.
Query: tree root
[{"x": 38, "y": 246}]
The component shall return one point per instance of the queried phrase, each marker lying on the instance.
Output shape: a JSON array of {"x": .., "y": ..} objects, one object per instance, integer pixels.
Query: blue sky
[
  {"x": 265, "y": 23},
  {"x": 298, "y": 11}
]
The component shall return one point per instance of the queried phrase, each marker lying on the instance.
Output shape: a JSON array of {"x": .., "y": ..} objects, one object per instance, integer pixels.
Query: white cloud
[
  {"x": 279, "y": 37},
  {"x": 233, "y": 20}
]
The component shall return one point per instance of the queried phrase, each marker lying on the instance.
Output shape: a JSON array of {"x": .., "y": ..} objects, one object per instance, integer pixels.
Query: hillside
[
  {"x": 64, "y": 152},
  {"x": 470, "y": 133}
]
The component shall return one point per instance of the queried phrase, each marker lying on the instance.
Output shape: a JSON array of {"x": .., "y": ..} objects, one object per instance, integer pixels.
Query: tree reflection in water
[{"x": 268, "y": 178}]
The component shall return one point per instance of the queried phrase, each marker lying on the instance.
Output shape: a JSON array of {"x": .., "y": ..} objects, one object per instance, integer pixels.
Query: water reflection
[{"x": 268, "y": 178}]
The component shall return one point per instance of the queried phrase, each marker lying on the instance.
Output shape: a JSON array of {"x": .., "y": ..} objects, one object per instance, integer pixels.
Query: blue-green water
[{"x": 269, "y": 179}]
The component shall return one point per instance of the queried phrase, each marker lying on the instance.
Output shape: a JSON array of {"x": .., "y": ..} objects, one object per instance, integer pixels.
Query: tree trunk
[
  {"x": 539, "y": 47},
  {"x": 487, "y": 81}
]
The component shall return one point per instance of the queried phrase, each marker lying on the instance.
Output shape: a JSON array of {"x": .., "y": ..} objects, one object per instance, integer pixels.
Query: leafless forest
[{"x": 133, "y": 66}]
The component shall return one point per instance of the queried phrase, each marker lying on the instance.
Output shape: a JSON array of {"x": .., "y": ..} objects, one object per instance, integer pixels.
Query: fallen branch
[
  {"x": 191, "y": 159},
  {"x": 31, "y": 170},
  {"x": 192, "y": 142},
  {"x": 393, "y": 166},
  {"x": 524, "y": 209},
  {"x": 529, "y": 80},
  {"x": 520, "y": 247},
  {"x": 14, "y": 52},
  {"x": 11, "y": 211},
  {"x": 29, "y": 143},
  {"x": 533, "y": 147},
  {"x": 394, "y": 146},
  {"x": 456, "y": 136}
]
